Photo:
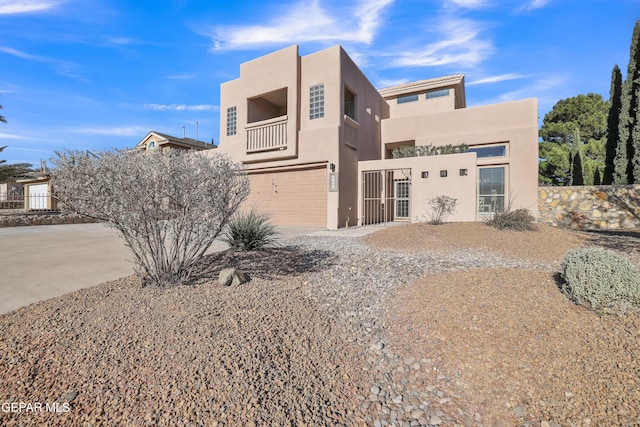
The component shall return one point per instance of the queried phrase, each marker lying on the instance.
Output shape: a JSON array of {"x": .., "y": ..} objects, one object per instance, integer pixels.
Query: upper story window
[
  {"x": 231, "y": 121},
  {"x": 151, "y": 145},
  {"x": 350, "y": 104},
  {"x": 491, "y": 151},
  {"x": 316, "y": 101},
  {"x": 437, "y": 93},
  {"x": 407, "y": 98}
]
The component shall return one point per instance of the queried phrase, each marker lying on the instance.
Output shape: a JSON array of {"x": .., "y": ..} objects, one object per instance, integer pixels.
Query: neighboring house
[
  {"x": 316, "y": 138},
  {"x": 38, "y": 194},
  {"x": 9, "y": 190},
  {"x": 163, "y": 141}
]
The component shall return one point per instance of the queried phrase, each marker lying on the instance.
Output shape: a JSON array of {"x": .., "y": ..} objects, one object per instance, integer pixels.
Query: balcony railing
[
  {"x": 267, "y": 135},
  {"x": 350, "y": 131}
]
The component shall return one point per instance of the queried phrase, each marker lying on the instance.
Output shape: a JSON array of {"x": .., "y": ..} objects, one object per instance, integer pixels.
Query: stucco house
[
  {"x": 154, "y": 140},
  {"x": 317, "y": 140}
]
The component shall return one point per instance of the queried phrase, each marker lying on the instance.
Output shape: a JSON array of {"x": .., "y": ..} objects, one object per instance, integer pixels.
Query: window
[
  {"x": 408, "y": 98},
  {"x": 491, "y": 190},
  {"x": 350, "y": 104},
  {"x": 316, "y": 101},
  {"x": 151, "y": 145},
  {"x": 493, "y": 151},
  {"x": 437, "y": 93},
  {"x": 231, "y": 121}
]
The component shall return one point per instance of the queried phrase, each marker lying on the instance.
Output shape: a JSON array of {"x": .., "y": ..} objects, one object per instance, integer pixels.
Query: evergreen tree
[
  {"x": 626, "y": 156},
  {"x": 596, "y": 177},
  {"x": 589, "y": 114},
  {"x": 612, "y": 122},
  {"x": 578, "y": 175}
]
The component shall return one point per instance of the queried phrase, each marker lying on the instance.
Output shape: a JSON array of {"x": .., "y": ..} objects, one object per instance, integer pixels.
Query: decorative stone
[{"x": 232, "y": 277}]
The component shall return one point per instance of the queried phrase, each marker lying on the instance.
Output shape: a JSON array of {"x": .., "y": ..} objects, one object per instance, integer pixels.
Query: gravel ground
[{"x": 332, "y": 331}]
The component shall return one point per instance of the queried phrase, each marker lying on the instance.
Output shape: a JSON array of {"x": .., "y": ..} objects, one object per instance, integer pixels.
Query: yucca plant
[{"x": 250, "y": 231}]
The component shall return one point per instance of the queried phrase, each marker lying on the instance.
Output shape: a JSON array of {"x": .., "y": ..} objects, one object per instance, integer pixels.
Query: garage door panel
[{"x": 293, "y": 197}]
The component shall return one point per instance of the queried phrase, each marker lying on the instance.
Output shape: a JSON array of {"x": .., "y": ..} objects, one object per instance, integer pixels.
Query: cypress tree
[
  {"x": 596, "y": 177},
  {"x": 626, "y": 150},
  {"x": 578, "y": 176},
  {"x": 612, "y": 125}
]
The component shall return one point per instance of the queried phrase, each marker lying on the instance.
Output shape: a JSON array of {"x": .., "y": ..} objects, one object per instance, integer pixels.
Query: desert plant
[
  {"x": 441, "y": 208},
  {"x": 509, "y": 219},
  {"x": 428, "y": 150},
  {"x": 168, "y": 207},
  {"x": 600, "y": 279},
  {"x": 249, "y": 231}
]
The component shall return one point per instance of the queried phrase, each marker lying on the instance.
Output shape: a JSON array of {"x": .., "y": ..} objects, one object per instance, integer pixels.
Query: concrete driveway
[{"x": 42, "y": 262}]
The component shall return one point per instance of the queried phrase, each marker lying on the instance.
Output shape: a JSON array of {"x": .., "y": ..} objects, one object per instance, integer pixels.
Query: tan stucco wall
[
  {"x": 422, "y": 105},
  {"x": 514, "y": 123},
  {"x": 319, "y": 141},
  {"x": 462, "y": 188}
]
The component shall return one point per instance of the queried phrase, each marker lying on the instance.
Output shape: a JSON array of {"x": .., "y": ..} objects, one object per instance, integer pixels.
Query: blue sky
[{"x": 100, "y": 74}]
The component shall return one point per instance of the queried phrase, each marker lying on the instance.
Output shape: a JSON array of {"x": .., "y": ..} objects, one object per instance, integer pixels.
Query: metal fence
[
  {"x": 386, "y": 196},
  {"x": 13, "y": 202}
]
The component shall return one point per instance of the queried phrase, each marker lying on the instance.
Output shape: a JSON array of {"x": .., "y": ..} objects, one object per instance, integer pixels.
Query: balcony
[
  {"x": 267, "y": 135},
  {"x": 350, "y": 131}
]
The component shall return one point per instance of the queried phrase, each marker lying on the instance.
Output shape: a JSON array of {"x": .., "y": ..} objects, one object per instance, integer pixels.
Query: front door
[{"x": 402, "y": 193}]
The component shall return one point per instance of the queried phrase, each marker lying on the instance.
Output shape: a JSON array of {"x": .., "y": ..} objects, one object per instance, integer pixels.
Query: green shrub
[
  {"x": 600, "y": 279},
  {"x": 250, "y": 231},
  {"x": 518, "y": 220},
  {"x": 428, "y": 150}
]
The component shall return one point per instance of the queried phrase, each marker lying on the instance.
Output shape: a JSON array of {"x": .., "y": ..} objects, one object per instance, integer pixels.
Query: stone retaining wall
[
  {"x": 590, "y": 207},
  {"x": 43, "y": 218}
]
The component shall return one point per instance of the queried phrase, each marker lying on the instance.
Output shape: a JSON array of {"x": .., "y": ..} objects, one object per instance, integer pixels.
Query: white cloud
[
  {"x": 121, "y": 41},
  {"x": 306, "y": 22},
  {"x": 546, "y": 89},
  {"x": 470, "y": 4},
  {"x": 5, "y": 135},
  {"x": 113, "y": 131},
  {"x": 21, "y": 54},
  {"x": 181, "y": 77},
  {"x": 535, "y": 4},
  {"x": 10, "y": 7},
  {"x": 384, "y": 83},
  {"x": 460, "y": 44},
  {"x": 180, "y": 107},
  {"x": 495, "y": 79}
]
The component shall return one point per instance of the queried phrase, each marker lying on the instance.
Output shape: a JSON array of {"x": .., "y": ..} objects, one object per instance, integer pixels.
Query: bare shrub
[
  {"x": 441, "y": 208},
  {"x": 168, "y": 207}
]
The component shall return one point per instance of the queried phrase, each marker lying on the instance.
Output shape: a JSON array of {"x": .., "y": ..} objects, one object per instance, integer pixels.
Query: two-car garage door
[{"x": 291, "y": 197}]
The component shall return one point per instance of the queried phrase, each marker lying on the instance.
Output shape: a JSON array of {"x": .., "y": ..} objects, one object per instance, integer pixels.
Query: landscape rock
[{"x": 232, "y": 277}]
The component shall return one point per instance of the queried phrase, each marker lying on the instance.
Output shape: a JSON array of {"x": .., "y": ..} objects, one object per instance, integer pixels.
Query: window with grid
[
  {"x": 316, "y": 101},
  {"x": 231, "y": 121}
]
